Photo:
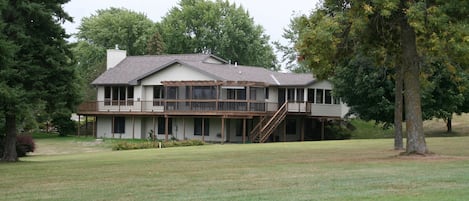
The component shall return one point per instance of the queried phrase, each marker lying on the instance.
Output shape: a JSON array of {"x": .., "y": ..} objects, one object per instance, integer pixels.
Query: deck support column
[
  {"x": 302, "y": 129},
  {"x": 112, "y": 127},
  {"x": 155, "y": 134},
  {"x": 133, "y": 127},
  {"x": 166, "y": 131},
  {"x": 323, "y": 123},
  {"x": 203, "y": 129},
  {"x": 223, "y": 130},
  {"x": 184, "y": 128},
  {"x": 78, "y": 129},
  {"x": 94, "y": 126},
  {"x": 244, "y": 131},
  {"x": 284, "y": 130}
]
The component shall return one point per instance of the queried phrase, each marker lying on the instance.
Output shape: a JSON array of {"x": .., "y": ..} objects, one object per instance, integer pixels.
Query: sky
[{"x": 274, "y": 16}]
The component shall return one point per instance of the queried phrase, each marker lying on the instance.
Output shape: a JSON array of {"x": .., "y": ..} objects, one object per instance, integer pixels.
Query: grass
[
  {"x": 433, "y": 128},
  {"x": 327, "y": 170}
]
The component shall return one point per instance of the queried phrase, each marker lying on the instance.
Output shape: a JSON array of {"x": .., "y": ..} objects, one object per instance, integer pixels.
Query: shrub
[
  {"x": 126, "y": 145},
  {"x": 24, "y": 144},
  {"x": 336, "y": 131}
]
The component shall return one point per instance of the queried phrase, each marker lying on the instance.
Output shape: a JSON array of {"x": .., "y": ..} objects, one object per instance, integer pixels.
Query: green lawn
[{"x": 327, "y": 170}]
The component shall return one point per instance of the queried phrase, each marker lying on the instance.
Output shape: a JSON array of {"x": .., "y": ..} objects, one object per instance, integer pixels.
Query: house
[{"x": 202, "y": 96}]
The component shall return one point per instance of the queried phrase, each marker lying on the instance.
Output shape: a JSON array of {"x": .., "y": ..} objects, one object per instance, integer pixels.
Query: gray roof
[{"x": 134, "y": 68}]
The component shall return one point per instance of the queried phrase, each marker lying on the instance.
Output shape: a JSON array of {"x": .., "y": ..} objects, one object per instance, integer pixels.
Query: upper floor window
[
  {"x": 204, "y": 92},
  {"x": 158, "y": 92},
  {"x": 118, "y": 95},
  {"x": 328, "y": 96}
]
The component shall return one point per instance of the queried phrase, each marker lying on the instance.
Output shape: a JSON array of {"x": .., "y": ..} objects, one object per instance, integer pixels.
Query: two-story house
[{"x": 201, "y": 96}]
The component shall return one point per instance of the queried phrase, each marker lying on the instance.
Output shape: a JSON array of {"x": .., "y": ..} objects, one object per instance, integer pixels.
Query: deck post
[
  {"x": 133, "y": 127},
  {"x": 166, "y": 123},
  {"x": 94, "y": 126},
  {"x": 86, "y": 125},
  {"x": 222, "y": 130},
  {"x": 112, "y": 127},
  {"x": 244, "y": 131},
  {"x": 155, "y": 134},
  {"x": 284, "y": 130},
  {"x": 302, "y": 129},
  {"x": 184, "y": 128},
  {"x": 203, "y": 129},
  {"x": 322, "y": 128},
  {"x": 78, "y": 129}
]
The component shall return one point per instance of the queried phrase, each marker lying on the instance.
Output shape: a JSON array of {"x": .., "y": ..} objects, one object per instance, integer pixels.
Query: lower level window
[
  {"x": 201, "y": 125},
  {"x": 119, "y": 125}
]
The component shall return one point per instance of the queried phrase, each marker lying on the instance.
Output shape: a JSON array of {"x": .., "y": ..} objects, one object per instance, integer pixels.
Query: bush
[
  {"x": 337, "y": 131},
  {"x": 24, "y": 144},
  {"x": 126, "y": 145}
]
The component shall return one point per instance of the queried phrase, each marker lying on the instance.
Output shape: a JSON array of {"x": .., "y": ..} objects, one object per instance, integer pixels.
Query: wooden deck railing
[{"x": 176, "y": 106}]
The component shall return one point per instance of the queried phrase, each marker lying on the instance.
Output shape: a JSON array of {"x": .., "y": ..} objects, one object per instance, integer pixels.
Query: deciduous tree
[
  {"x": 408, "y": 34},
  {"x": 216, "y": 27}
]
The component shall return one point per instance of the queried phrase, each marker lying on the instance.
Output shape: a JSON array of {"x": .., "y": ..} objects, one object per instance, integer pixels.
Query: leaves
[{"x": 220, "y": 28}]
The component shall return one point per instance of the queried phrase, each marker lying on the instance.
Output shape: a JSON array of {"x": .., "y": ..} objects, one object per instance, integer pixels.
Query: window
[
  {"x": 291, "y": 126},
  {"x": 291, "y": 95},
  {"x": 319, "y": 95},
  {"x": 130, "y": 95},
  {"x": 162, "y": 125},
  {"x": 236, "y": 94},
  {"x": 300, "y": 94},
  {"x": 253, "y": 93},
  {"x": 119, "y": 125},
  {"x": 119, "y": 95},
  {"x": 266, "y": 93},
  {"x": 158, "y": 92},
  {"x": 204, "y": 92},
  {"x": 107, "y": 95},
  {"x": 201, "y": 124},
  {"x": 310, "y": 95},
  {"x": 172, "y": 92},
  {"x": 328, "y": 96}
]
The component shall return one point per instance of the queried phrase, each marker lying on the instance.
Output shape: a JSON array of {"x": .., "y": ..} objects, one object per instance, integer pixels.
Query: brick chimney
[{"x": 114, "y": 57}]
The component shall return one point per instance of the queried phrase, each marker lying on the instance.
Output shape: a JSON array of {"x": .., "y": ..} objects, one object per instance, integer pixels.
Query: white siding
[{"x": 104, "y": 128}]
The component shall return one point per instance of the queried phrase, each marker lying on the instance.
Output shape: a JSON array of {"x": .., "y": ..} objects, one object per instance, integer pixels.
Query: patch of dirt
[{"x": 429, "y": 157}]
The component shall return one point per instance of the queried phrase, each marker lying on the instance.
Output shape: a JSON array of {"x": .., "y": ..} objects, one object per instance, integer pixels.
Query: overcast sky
[{"x": 274, "y": 16}]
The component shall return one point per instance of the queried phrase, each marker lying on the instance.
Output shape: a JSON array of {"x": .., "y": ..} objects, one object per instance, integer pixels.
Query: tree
[
  {"x": 38, "y": 73},
  {"x": 117, "y": 26},
  {"x": 127, "y": 29},
  {"x": 416, "y": 31},
  {"x": 220, "y": 28},
  {"x": 290, "y": 56}
]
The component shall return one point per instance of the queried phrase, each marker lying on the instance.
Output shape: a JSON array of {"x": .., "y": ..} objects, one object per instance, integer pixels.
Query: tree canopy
[
  {"x": 129, "y": 30},
  {"x": 117, "y": 26},
  {"x": 216, "y": 27},
  {"x": 392, "y": 33},
  {"x": 37, "y": 74}
]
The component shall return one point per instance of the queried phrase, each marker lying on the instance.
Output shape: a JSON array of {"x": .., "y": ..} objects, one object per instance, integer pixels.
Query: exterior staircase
[{"x": 266, "y": 126}]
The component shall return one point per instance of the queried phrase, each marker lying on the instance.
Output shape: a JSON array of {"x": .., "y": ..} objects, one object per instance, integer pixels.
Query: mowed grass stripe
[{"x": 327, "y": 170}]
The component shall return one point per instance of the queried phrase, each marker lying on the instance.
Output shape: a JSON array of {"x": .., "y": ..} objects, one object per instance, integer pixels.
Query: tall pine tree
[{"x": 38, "y": 73}]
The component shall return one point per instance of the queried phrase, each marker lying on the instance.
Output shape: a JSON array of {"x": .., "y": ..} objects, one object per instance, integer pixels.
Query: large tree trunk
[
  {"x": 398, "y": 142},
  {"x": 9, "y": 153},
  {"x": 413, "y": 111}
]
